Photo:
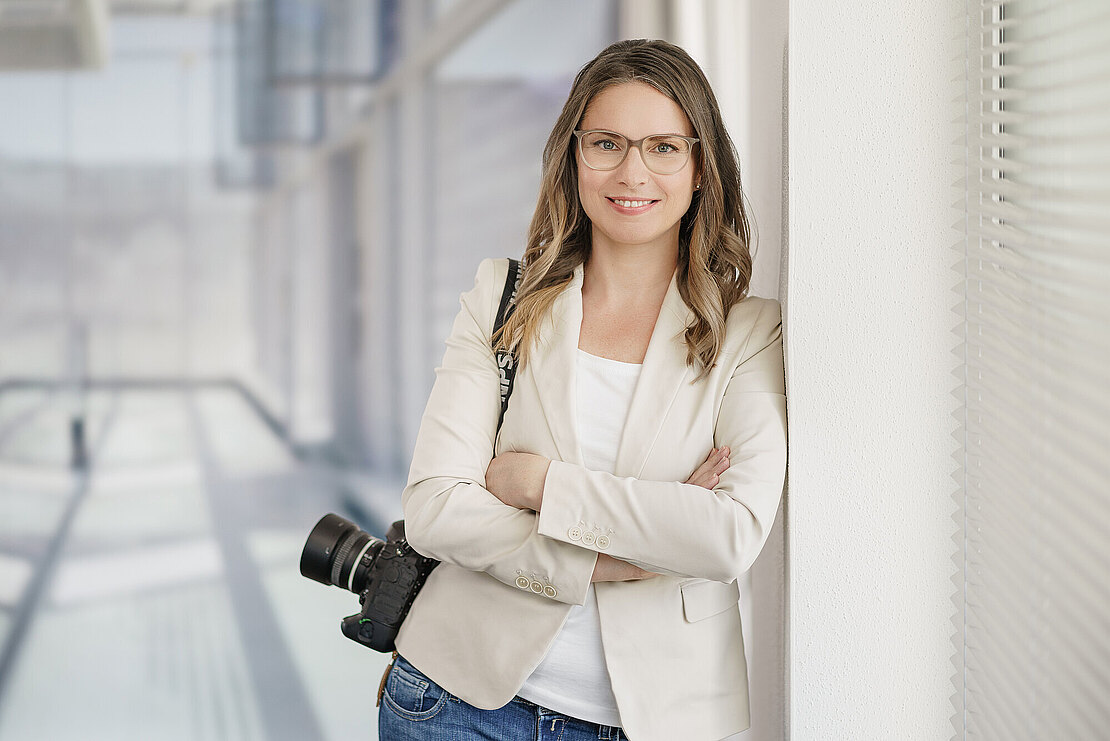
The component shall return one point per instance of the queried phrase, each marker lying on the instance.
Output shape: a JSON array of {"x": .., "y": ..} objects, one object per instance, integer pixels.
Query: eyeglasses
[{"x": 664, "y": 154}]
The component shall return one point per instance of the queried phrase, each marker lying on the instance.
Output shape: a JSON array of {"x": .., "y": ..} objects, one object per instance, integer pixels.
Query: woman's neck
[{"x": 628, "y": 274}]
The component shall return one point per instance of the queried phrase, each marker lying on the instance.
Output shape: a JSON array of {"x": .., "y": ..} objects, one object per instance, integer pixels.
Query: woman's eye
[
  {"x": 666, "y": 148},
  {"x": 607, "y": 145}
]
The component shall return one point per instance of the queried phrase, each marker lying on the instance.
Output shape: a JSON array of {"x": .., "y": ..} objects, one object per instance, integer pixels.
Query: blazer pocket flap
[{"x": 702, "y": 599}]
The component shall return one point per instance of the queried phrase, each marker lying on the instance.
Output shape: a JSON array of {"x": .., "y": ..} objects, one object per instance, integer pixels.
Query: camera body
[{"x": 386, "y": 576}]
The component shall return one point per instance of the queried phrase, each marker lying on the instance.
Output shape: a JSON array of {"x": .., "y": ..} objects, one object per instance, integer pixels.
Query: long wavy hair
[{"x": 714, "y": 261}]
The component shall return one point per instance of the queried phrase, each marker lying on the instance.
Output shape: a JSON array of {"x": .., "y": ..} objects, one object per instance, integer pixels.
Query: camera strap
[{"x": 506, "y": 362}]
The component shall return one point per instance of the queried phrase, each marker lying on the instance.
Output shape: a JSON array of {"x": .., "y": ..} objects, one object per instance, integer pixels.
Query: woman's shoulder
[
  {"x": 489, "y": 283},
  {"x": 754, "y": 311},
  {"x": 752, "y": 324},
  {"x": 491, "y": 273}
]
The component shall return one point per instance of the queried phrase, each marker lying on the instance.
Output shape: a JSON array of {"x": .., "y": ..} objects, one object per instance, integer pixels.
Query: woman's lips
[{"x": 632, "y": 206}]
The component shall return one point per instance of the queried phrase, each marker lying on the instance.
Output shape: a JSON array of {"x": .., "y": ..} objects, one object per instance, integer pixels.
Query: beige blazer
[{"x": 489, "y": 612}]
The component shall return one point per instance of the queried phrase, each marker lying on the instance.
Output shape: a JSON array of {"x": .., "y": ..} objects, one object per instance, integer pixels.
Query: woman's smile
[{"x": 631, "y": 206}]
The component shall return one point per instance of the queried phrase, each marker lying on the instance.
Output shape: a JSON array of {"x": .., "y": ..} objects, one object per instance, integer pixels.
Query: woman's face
[{"x": 631, "y": 205}]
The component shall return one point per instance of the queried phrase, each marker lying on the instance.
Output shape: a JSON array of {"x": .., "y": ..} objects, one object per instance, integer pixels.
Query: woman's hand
[
  {"x": 708, "y": 474},
  {"x": 517, "y": 479},
  {"x": 608, "y": 568}
]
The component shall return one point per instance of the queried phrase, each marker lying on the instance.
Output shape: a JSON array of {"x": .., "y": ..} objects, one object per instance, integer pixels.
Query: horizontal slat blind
[{"x": 1033, "y": 640}]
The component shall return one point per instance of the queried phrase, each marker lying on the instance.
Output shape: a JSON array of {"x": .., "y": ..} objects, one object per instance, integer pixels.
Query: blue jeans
[{"x": 414, "y": 708}]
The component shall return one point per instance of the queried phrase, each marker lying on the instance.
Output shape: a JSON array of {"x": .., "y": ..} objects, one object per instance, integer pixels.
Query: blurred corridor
[{"x": 155, "y": 593}]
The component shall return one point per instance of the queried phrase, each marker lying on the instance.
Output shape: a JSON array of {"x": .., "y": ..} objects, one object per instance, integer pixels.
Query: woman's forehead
[{"x": 635, "y": 109}]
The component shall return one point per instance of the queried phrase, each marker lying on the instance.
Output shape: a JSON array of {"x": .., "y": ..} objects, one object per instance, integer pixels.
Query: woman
[{"x": 590, "y": 552}]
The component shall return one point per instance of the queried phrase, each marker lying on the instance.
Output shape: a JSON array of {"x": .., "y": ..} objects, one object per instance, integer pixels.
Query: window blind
[{"x": 1032, "y": 645}]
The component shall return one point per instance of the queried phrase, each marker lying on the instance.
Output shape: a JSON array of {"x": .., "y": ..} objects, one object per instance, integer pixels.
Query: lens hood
[{"x": 322, "y": 545}]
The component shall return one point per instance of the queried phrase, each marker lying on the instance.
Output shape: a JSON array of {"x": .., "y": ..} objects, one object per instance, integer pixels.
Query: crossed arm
[{"x": 517, "y": 479}]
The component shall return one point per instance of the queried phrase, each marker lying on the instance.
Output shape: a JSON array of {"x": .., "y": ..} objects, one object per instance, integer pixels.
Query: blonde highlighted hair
[{"x": 714, "y": 262}]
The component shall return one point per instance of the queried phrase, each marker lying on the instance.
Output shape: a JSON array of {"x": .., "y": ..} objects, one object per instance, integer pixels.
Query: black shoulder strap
[{"x": 506, "y": 362}]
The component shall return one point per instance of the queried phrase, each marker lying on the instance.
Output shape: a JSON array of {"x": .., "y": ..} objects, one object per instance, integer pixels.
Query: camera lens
[{"x": 338, "y": 553}]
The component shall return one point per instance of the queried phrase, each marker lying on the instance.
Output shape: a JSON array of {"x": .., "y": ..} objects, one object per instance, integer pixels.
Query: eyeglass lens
[{"x": 662, "y": 154}]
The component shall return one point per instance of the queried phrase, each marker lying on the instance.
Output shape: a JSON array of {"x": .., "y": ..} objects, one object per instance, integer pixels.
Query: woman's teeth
[{"x": 630, "y": 204}]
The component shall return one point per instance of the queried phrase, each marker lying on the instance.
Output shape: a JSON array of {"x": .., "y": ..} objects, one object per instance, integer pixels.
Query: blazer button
[
  {"x": 603, "y": 542},
  {"x": 536, "y": 587},
  {"x": 549, "y": 591},
  {"x": 522, "y": 582},
  {"x": 575, "y": 533},
  {"x": 588, "y": 538}
]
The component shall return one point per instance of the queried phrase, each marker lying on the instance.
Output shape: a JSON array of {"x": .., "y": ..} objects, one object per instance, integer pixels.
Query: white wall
[{"x": 868, "y": 350}]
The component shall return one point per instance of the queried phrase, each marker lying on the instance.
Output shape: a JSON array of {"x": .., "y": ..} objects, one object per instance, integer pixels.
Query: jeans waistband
[{"x": 604, "y": 733}]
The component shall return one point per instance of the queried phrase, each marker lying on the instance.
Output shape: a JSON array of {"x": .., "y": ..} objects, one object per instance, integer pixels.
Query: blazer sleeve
[
  {"x": 449, "y": 514},
  {"x": 683, "y": 529}
]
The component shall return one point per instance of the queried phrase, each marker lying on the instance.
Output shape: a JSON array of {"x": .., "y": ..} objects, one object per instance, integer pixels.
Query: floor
[{"x": 154, "y": 592}]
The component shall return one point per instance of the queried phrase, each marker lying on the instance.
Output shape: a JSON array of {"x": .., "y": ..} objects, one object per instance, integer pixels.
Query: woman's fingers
[
  {"x": 706, "y": 468},
  {"x": 709, "y": 472},
  {"x": 608, "y": 568},
  {"x": 723, "y": 463}
]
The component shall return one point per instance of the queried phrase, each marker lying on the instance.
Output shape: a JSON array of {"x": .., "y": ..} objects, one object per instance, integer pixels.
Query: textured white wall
[{"x": 868, "y": 348}]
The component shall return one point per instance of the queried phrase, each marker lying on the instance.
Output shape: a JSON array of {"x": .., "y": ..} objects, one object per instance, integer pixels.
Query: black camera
[{"x": 386, "y": 575}]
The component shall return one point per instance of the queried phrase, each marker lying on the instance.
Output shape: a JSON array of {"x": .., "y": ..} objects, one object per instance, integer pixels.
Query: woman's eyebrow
[{"x": 626, "y": 136}]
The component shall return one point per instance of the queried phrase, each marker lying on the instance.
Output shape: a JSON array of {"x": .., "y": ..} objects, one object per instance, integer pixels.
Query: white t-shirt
[{"x": 572, "y": 678}]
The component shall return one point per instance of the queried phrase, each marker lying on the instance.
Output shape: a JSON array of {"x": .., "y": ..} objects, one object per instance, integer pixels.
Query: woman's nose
[{"x": 633, "y": 171}]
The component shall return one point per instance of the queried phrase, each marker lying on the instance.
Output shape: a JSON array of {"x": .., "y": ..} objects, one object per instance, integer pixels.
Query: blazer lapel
[
  {"x": 661, "y": 377},
  {"x": 553, "y": 364},
  {"x": 552, "y": 371}
]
